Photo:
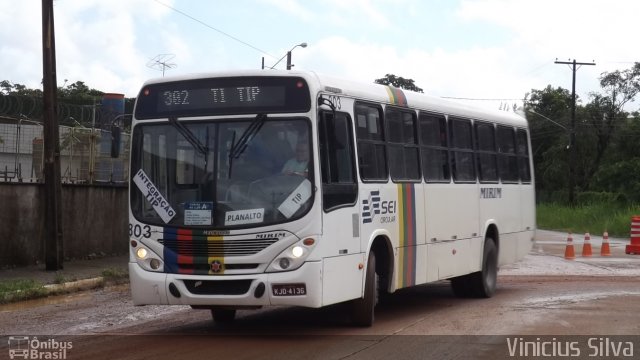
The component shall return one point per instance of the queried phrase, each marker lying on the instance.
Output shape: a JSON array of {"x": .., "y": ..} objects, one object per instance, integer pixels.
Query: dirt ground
[{"x": 543, "y": 295}]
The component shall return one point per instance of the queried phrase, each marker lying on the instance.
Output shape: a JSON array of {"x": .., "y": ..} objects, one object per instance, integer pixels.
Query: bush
[
  {"x": 621, "y": 177},
  {"x": 594, "y": 218},
  {"x": 594, "y": 197}
]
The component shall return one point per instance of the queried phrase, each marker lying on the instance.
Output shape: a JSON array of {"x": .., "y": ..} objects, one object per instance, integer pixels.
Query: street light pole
[
  {"x": 288, "y": 56},
  {"x": 289, "y": 60}
]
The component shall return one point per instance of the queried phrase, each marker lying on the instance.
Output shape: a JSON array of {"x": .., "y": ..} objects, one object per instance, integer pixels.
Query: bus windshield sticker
[
  {"x": 240, "y": 217},
  {"x": 198, "y": 213},
  {"x": 153, "y": 196},
  {"x": 296, "y": 199}
]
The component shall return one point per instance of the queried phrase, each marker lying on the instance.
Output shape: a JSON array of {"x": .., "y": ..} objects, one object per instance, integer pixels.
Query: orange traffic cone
[
  {"x": 569, "y": 253},
  {"x": 634, "y": 246},
  {"x": 605, "y": 250},
  {"x": 586, "y": 247}
]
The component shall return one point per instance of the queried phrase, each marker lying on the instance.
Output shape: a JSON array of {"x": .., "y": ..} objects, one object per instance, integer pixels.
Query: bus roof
[{"x": 369, "y": 92}]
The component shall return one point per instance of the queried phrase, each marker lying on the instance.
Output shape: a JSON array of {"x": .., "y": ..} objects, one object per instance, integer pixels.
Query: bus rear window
[{"x": 223, "y": 96}]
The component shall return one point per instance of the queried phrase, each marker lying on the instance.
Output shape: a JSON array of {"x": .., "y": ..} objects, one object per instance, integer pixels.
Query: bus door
[{"x": 342, "y": 280}]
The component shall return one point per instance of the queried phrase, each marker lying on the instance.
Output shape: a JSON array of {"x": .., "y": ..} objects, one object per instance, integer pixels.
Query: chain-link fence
[{"x": 85, "y": 154}]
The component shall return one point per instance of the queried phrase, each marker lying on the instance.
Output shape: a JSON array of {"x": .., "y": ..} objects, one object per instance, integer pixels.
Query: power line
[
  {"x": 479, "y": 99},
  {"x": 214, "y": 29}
]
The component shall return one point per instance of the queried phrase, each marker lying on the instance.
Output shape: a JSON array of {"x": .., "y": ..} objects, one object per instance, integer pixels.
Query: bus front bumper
[{"x": 152, "y": 288}]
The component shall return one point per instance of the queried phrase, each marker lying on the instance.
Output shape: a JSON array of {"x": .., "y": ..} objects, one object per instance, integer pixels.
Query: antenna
[{"x": 162, "y": 62}]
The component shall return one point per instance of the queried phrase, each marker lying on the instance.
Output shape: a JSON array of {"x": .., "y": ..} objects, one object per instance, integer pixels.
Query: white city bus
[{"x": 263, "y": 188}]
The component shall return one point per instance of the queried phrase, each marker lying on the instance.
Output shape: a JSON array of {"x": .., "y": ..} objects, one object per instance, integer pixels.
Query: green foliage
[
  {"x": 79, "y": 92},
  {"x": 606, "y": 144},
  {"x": 60, "y": 278},
  {"x": 399, "y": 82},
  {"x": 115, "y": 275},
  {"x": 17, "y": 290},
  {"x": 622, "y": 177},
  {"x": 595, "y": 218},
  {"x": 595, "y": 197}
]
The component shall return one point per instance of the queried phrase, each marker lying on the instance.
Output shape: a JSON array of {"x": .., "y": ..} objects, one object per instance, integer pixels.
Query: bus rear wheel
[
  {"x": 362, "y": 310},
  {"x": 481, "y": 284}
]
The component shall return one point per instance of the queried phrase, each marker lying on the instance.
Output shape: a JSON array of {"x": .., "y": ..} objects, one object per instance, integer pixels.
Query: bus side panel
[
  {"x": 451, "y": 211},
  {"x": 342, "y": 279},
  {"x": 500, "y": 204},
  {"x": 412, "y": 251},
  {"x": 508, "y": 248},
  {"x": 528, "y": 216},
  {"x": 452, "y": 258},
  {"x": 451, "y": 214}
]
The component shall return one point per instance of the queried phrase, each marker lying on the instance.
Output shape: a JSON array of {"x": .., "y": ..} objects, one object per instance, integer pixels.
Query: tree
[
  {"x": 399, "y": 82},
  {"x": 9, "y": 88},
  {"x": 75, "y": 102},
  {"x": 607, "y": 146},
  {"x": 605, "y": 112},
  {"x": 79, "y": 91},
  {"x": 548, "y": 112}
]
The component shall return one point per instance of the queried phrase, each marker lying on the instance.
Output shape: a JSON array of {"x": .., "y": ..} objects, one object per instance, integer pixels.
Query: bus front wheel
[{"x": 362, "y": 310}]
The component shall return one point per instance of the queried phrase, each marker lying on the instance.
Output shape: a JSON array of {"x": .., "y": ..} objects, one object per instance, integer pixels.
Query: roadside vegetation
[
  {"x": 594, "y": 218},
  {"x": 19, "y": 290}
]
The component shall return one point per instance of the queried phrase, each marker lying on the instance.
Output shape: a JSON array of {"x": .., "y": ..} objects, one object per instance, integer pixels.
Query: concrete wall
[{"x": 94, "y": 221}]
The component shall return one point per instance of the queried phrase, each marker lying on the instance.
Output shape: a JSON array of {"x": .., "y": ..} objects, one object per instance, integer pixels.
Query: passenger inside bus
[{"x": 298, "y": 165}]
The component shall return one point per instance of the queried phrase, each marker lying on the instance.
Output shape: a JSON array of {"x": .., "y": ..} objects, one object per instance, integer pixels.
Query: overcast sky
[{"x": 489, "y": 49}]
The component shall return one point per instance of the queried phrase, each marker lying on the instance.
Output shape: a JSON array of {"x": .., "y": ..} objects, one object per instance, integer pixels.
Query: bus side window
[
  {"x": 372, "y": 158},
  {"x": 462, "y": 155},
  {"x": 402, "y": 145},
  {"x": 507, "y": 158},
  {"x": 339, "y": 186},
  {"x": 435, "y": 155},
  {"x": 486, "y": 152},
  {"x": 523, "y": 156}
]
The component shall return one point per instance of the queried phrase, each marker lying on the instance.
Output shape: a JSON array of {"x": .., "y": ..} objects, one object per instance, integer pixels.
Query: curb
[
  {"x": 54, "y": 289},
  {"x": 79, "y": 285}
]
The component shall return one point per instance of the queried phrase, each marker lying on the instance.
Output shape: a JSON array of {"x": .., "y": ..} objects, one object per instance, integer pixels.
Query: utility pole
[
  {"x": 572, "y": 133},
  {"x": 53, "y": 244}
]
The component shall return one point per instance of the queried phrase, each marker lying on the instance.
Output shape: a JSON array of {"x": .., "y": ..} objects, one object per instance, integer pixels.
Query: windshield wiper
[
  {"x": 247, "y": 135},
  {"x": 191, "y": 138}
]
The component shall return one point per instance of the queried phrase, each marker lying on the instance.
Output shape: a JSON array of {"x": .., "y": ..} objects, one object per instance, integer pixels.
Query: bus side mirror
[{"x": 116, "y": 132}]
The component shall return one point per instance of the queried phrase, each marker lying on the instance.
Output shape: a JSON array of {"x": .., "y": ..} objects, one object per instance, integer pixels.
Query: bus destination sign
[
  {"x": 236, "y": 96},
  {"x": 223, "y": 96}
]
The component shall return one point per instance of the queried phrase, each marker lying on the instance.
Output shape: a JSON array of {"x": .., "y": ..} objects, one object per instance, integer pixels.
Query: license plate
[{"x": 289, "y": 289}]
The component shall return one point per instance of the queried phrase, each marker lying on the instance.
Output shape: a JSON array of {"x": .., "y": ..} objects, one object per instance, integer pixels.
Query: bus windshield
[{"x": 222, "y": 174}]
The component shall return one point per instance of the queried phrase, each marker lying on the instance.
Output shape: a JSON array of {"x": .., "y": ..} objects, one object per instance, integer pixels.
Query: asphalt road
[{"x": 542, "y": 297}]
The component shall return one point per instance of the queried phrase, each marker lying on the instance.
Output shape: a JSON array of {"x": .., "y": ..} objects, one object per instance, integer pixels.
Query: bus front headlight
[
  {"x": 147, "y": 259},
  {"x": 293, "y": 257}
]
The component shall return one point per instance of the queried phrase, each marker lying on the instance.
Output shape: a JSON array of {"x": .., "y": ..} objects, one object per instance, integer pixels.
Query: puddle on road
[
  {"x": 563, "y": 300},
  {"x": 51, "y": 300}
]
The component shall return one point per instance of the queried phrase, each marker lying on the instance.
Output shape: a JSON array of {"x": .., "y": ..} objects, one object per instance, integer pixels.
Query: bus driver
[{"x": 298, "y": 165}]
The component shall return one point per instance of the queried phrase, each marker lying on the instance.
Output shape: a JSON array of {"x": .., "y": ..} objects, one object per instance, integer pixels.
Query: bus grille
[
  {"x": 220, "y": 287},
  {"x": 223, "y": 248}
]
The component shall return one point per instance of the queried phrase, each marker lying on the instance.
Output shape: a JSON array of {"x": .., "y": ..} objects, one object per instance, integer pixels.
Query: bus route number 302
[{"x": 289, "y": 289}]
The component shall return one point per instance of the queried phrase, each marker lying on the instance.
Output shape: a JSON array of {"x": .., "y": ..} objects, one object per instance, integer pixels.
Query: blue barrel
[{"x": 112, "y": 107}]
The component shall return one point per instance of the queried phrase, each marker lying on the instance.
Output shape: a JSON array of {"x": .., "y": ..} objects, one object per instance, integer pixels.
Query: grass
[
  {"x": 115, "y": 275},
  {"x": 592, "y": 218},
  {"x": 17, "y": 290}
]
